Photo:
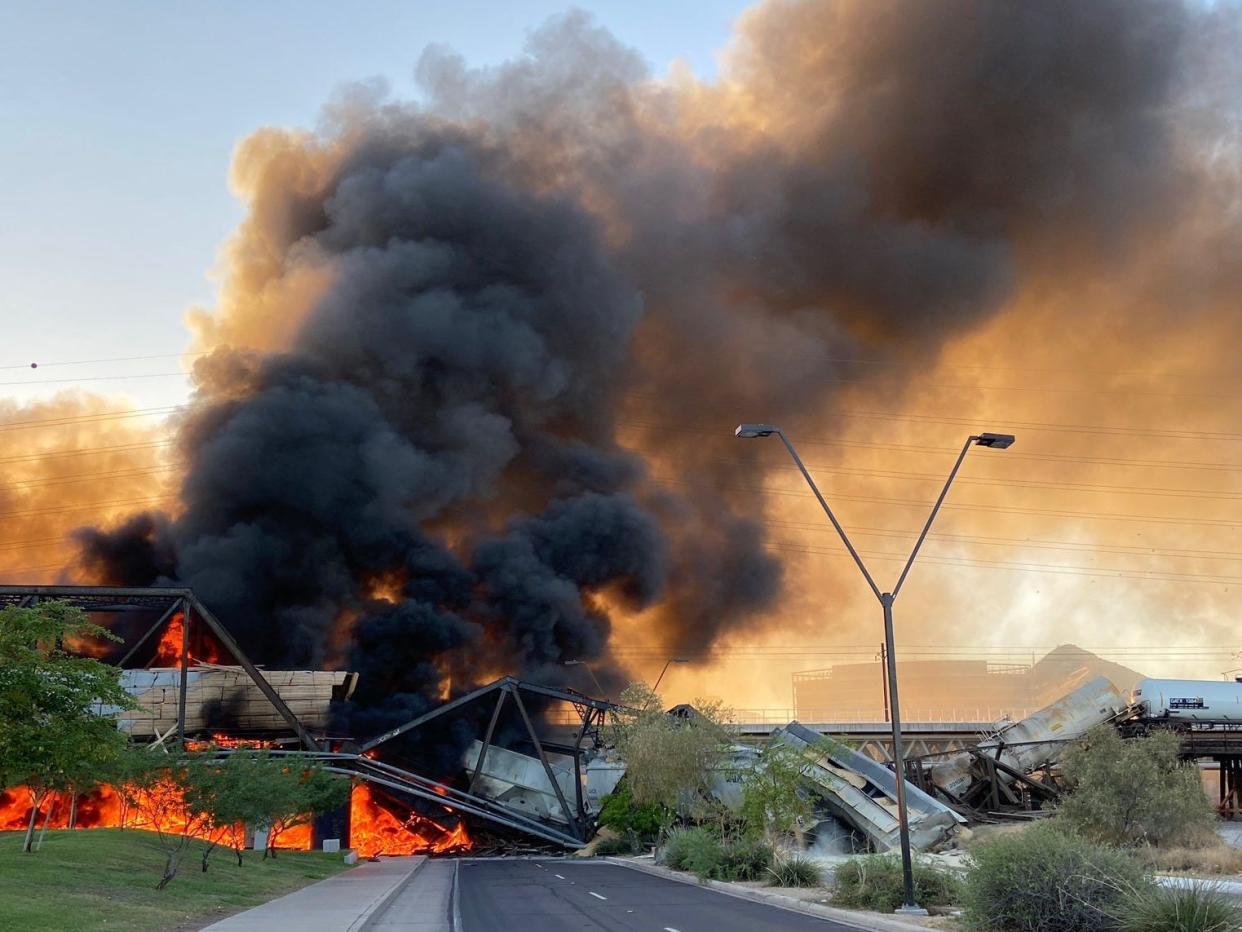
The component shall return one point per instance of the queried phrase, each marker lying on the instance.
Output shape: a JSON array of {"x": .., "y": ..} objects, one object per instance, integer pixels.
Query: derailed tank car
[{"x": 1189, "y": 701}]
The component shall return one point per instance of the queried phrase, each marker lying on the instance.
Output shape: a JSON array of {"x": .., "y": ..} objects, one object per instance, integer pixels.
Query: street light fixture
[
  {"x": 996, "y": 441},
  {"x": 582, "y": 663},
  {"x": 656, "y": 687}
]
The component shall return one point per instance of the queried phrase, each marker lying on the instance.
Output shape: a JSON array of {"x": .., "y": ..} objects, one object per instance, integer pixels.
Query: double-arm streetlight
[{"x": 997, "y": 441}]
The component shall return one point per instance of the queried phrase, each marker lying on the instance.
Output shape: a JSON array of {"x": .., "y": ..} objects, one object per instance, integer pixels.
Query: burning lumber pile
[{"x": 226, "y": 697}]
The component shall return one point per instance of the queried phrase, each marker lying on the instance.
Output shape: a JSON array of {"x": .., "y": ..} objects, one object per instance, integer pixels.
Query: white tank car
[{"x": 1190, "y": 700}]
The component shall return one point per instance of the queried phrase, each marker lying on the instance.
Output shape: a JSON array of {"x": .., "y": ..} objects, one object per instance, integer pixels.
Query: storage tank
[
  {"x": 1190, "y": 700},
  {"x": 1038, "y": 739}
]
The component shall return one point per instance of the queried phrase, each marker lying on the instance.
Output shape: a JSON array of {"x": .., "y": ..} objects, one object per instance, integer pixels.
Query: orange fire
[
  {"x": 373, "y": 829},
  {"x": 158, "y": 809},
  {"x": 168, "y": 651},
  {"x": 224, "y": 741}
]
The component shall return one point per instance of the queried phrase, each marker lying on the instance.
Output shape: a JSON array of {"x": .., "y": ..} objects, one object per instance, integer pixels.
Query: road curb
[
  {"x": 843, "y": 916},
  {"x": 372, "y": 913}
]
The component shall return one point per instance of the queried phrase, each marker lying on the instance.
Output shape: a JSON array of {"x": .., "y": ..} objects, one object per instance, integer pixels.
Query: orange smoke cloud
[{"x": 71, "y": 460}]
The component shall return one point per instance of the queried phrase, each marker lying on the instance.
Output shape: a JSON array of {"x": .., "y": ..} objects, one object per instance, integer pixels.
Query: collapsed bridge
[
  {"x": 193, "y": 684},
  {"x": 529, "y": 764}
]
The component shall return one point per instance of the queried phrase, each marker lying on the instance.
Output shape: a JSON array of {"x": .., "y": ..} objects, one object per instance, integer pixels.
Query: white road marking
[
  {"x": 560, "y": 876},
  {"x": 669, "y": 929},
  {"x": 596, "y": 895}
]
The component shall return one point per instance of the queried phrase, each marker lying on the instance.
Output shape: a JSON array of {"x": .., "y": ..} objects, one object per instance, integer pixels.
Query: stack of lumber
[{"x": 226, "y": 698}]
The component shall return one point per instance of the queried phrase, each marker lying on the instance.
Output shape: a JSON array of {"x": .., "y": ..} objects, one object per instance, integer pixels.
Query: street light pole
[
  {"x": 886, "y": 599},
  {"x": 656, "y": 687}
]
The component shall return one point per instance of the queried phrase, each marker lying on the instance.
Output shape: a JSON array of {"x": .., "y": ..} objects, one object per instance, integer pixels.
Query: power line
[
  {"x": 900, "y": 364},
  {"x": 96, "y": 378},
  {"x": 1024, "y": 542},
  {"x": 1027, "y": 483},
  {"x": 89, "y": 418},
  {"x": 86, "y": 451},
  {"x": 88, "y": 506},
  {"x": 1059, "y": 569},
  {"x": 961, "y": 506},
  {"x": 1009, "y": 424},
  {"x": 909, "y": 448},
  {"x": 92, "y": 477},
  {"x": 86, "y": 362}
]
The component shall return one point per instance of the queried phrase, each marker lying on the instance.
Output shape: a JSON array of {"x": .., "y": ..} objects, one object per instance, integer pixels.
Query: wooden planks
[{"x": 225, "y": 698}]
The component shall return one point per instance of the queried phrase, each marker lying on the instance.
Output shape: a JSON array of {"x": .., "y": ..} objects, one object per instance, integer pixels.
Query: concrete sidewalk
[{"x": 343, "y": 902}]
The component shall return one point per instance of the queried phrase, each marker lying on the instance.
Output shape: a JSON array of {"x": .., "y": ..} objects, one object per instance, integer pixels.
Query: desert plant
[
  {"x": 675, "y": 852},
  {"x": 1048, "y": 880},
  {"x": 1134, "y": 791},
  {"x": 744, "y": 858},
  {"x": 710, "y": 857},
  {"x": 1193, "y": 908},
  {"x": 704, "y": 855},
  {"x": 875, "y": 881},
  {"x": 794, "y": 871}
]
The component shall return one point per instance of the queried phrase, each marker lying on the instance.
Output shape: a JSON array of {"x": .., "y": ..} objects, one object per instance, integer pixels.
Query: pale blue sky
[{"x": 117, "y": 123}]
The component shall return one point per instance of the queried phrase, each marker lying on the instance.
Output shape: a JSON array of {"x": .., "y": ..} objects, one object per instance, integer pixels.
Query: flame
[
  {"x": 168, "y": 651},
  {"x": 374, "y": 830},
  {"x": 157, "y": 809},
  {"x": 224, "y": 741}
]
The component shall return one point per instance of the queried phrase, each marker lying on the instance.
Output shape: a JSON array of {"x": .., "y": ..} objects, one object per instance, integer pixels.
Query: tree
[
  {"x": 307, "y": 792},
  {"x": 228, "y": 794},
  {"x": 773, "y": 802},
  {"x": 671, "y": 760},
  {"x": 56, "y": 736},
  {"x": 162, "y": 791},
  {"x": 1134, "y": 791}
]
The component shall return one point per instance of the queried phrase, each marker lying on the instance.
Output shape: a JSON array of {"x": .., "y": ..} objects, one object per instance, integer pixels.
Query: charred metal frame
[
  {"x": 172, "y": 600},
  {"x": 591, "y": 712}
]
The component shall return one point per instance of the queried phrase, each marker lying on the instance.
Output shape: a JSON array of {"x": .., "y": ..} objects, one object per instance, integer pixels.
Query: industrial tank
[
  {"x": 1038, "y": 739},
  {"x": 1190, "y": 700}
]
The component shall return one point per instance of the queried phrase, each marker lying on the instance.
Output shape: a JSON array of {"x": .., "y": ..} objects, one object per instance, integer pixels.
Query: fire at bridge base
[{"x": 378, "y": 824}]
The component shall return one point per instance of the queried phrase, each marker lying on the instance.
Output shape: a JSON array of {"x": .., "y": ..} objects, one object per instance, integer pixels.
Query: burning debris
[
  {"x": 379, "y": 825},
  {"x": 220, "y": 697}
]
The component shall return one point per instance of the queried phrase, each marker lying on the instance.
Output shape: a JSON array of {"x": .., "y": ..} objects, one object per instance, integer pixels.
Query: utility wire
[
  {"x": 1059, "y": 569},
  {"x": 86, "y": 362},
  {"x": 86, "y": 507},
  {"x": 90, "y": 418},
  {"x": 86, "y": 451},
  {"x": 961, "y": 506}
]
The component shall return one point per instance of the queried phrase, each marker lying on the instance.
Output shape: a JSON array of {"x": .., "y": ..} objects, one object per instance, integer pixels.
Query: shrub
[
  {"x": 680, "y": 844},
  {"x": 620, "y": 813},
  {"x": 1134, "y": 791},
  {"x": 745, "y": 858},
  {"x": 794, "y": 871},
  {"x": 701, "y": 852},
  {"x": 704, "y": 855},
  {"x": 1048, "y": 880},
  {"x": 1198, "y": 908},
  {"x": 875, "y": 881}
]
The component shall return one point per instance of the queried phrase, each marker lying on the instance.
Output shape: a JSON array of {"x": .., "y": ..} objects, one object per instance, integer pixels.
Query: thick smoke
[{"x": 477, "y": 361}]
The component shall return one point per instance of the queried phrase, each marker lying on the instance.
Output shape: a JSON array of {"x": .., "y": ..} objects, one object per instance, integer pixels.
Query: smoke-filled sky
[{"x": 463, "y": 401}]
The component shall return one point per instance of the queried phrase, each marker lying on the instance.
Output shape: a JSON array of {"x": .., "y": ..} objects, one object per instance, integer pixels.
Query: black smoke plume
[{"x": 478, "y": 359}]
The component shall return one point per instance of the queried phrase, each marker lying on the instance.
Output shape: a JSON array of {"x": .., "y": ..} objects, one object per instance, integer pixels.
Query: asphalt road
[{"x": 567, "y": 896}]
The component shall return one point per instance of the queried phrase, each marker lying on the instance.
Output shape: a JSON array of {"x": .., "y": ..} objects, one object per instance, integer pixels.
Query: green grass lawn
[{"x": 105, "y": 879}]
